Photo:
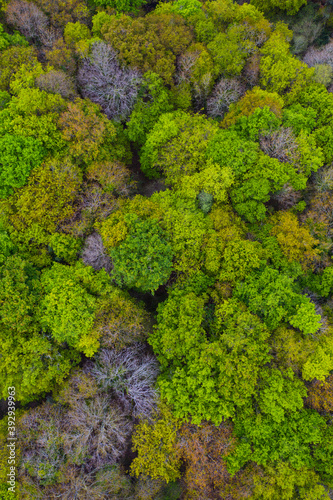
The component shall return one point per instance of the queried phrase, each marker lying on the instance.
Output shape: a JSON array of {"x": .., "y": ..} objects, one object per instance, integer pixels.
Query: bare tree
[
  {"x": 106, "y": 83},
  {"x": 280, "y": 144},
  {"x": 323, "y": 55},
  {"x": 94, "y": 253},
  {"x": 130, "y": 374},
  {"x": 286, "y": 197},
  {"x": 185, "y": 65},
  {"x": 57, "y": 82},
  {"x": 28, "y": 19},
  {"x": 96, "y": 432},
  {"x": 225, "y": 92}
]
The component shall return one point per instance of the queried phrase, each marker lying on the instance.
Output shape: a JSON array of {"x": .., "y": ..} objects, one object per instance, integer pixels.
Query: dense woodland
[{"x": 166, "y": 242}]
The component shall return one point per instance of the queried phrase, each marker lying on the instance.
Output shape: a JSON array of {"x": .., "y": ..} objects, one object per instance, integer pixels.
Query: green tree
[
  {"x": 31, "y": 362},
  {"x": 275, "y": 297},
  {"x": 156, "y": 100},
  {"x": 291, "y": 6},
  {"x": 263, "y": 440},
  {"x": 19, "y": 155},
  {"x": 176, "y": 145},
  {"x": 144, "y": 259},
  {"x": 155, "y": 441},
  {"x": 67, "y": 309}
]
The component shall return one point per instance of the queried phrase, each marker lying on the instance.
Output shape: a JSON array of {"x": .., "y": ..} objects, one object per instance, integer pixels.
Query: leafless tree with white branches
[
  {"x": 225, "y": 92},
  {"x": 94, "y": 253},
  {"x": 106, "y": 83},
  {"x": 323, "y": 55},
  {"x": 130, "y": 374},
  {"x": 30, "y": 21}
]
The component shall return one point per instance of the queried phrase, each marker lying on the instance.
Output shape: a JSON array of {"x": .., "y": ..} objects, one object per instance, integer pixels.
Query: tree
[
  {"x": 207, "y": 374},
  {"x": 28, "y": 18},
  {"x": 147, "y": 110},
  {"x": 112, "y": 176},
  {"x": 90, "y": 135},
  {"x": 62, "y": 12},
  {"x": 67, "y": 308},
  {"x": 291, "y": 6},
  {"x": 166, "y": 32},
  {"x": 10, "y": 61},
  {"x": 279, "y": 70},
  {"x": 39, "y": 362},
  {"x": 320, "y": 395},
  {"x": 295, "y": 241},
  {"x": 291, "y": 441},
  {"x": 204, "y": 449},
  {"x": 176, "y": 145},
  {"x": 262, "y": 289},
  {"x": 130, "y": 375},
  {"x": 104, "y": 82},
  {"x": 226, "y": 92},
  {"x": 155, "y": 442},
  {"x": 7, "y": 40},
  {"x": 253, "y": 99},
  {"x": 122, "y": 5},
  {"x": 33, "y": 113},
  {"x": 48, "y": 197},
  {"x": 140, "y": 266},
  {"x": 57, "y": 82},
  {"x": 280, "y": 480},
  {"x": 19, "y": 155}
]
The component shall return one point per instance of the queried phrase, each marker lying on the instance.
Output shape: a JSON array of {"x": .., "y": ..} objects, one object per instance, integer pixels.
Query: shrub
[{"x": 106, "y": 83}]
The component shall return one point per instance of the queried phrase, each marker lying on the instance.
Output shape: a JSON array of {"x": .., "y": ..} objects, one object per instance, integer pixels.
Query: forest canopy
[{"x": 166, "y": 245}]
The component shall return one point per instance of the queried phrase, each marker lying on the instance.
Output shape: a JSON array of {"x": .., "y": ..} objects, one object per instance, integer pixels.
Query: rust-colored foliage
[
  {"x": 62, "y": 58},
  {"x": 134, "y": 39},
  {"x": 204, "y": 449},
  {"x": 295, "y": 241},
  {"x": 84, "y": 128},
  {"x": 320, "y": 395},
  {"x": 112, "y": 176},
  {"x": 62, "y": 12}
]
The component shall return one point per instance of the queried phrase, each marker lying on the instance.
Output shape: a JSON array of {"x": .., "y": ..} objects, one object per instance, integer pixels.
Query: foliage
[
  {"x": 148, "y": 108},
  {"x": 295, "y": 241},
  {"x": 291, "y": 6},
  {"x": 121, "y": 5},
  {"x": 47, "y": 198},
  {"x": 166, "y": 32},
  {"x": 42, "y": 363},
  {"x": 90, "y": 135},
  {"x": 140, "y": 266},
  {"x": 67, "y": 308},
  {"x": 155, "y": 443},
  {"x": 19, "y": 155},
  {"x": 166, "y": 143},
  {"x": 260, "y": 290}
]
